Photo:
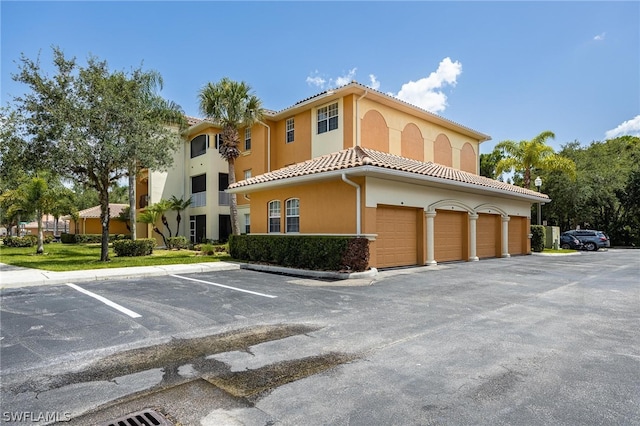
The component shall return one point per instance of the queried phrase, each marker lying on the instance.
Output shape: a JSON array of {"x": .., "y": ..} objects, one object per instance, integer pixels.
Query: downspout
[
  {"x": 268, "y": 145},
  {"x": 358, "y": 117},
  {"x": 358, "y": 208}
]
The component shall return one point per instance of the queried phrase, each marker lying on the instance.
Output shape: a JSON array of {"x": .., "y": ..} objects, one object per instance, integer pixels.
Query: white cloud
[
  {"x": 315, "y": 80},
  {"x": 629, "y": 127},
  {"x": 375, "y": 84},
  {"x": 600, "y": 37},
  {"x": 426, "y": 93},
  {"x": 346, "y": 79}
]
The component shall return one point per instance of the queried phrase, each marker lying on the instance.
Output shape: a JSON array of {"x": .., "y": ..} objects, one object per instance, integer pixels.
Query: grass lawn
[{"x": 75, "y": 257}]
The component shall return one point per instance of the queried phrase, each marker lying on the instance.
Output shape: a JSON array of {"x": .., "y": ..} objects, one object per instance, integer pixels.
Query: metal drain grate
[{"x": 141, "y": 418}]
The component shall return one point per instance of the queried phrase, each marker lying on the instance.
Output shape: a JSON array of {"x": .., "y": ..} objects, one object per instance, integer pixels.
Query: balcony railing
[
  {"x": 223, "y": 198},
  {"x": 199, "y": 199}
]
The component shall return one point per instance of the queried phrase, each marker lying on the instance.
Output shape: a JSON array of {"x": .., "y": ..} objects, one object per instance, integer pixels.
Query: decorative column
[
  {"x": 431, "y": 260},
  {"x": 505, "y": 236},
  {"x": 473, "y": 219}
]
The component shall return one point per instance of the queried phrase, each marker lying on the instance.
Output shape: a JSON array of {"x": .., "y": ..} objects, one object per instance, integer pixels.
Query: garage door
[
  {"x": 517, "y": 235},
  {"x": 487, "y": 235},
  {"x": 396, "y": 244},
  {"x": 450, "y": 233}
]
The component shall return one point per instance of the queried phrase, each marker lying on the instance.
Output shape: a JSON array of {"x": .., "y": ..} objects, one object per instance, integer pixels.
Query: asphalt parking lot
[{"x": 526, "y": 340}]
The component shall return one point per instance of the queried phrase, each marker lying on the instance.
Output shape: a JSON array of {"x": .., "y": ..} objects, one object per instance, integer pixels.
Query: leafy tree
[
  {"x": 534, "y": 156},
  {"x": 83, "y": 119},
  {"x": 231, "y": 105},
  {"x": 178, "y": 205},
  {"x": 489, "y": 163},
  {"x": 151, "y": 216}
]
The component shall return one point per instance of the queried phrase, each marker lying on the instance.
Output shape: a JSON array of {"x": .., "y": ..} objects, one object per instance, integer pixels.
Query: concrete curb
[
  {"x": 577, "y": 253},
  {"x": 24, "y": 277},
  {"x": 309, "y": 273}
]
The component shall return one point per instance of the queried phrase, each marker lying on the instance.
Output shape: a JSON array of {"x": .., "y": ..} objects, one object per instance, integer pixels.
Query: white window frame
[
  {"x": 274, "y": 212},
  {"x": 290, "y": 130},
  {"x": 247, "y": 174},
  {"x": 292, "y": 211},
  {"x": 247, "y": 139},
  {"x": 329, "y": 116}
]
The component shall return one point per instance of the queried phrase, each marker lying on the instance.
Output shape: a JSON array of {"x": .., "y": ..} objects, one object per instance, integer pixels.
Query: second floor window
[
  {"x": 247, "y": 139},
  {"x": 199, "y": 191},
  {"x": 199, "y": 145},
  {"x": 290, "y": 130},
  {"x": 274, "y": 216},
  {"x": 328, "y": 118}
]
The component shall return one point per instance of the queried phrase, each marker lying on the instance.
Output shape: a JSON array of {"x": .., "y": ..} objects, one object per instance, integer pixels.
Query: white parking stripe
[
  {"x": 226, "y": 286},
  {"x": 105, "y": 301}
]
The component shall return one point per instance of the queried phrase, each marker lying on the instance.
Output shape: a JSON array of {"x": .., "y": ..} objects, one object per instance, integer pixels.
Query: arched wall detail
[
  {"x": 468, "y": 159},
  {"x": 375, "y": 132},
  {"x": 449, "y": 203},
  {"x": 442, "y": 153},
  {"x": 490, "y": 208},
  {"x": 412, "y": 142}
]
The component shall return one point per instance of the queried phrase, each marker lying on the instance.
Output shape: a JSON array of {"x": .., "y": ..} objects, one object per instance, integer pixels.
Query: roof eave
[{"x": 392, "y": 174}]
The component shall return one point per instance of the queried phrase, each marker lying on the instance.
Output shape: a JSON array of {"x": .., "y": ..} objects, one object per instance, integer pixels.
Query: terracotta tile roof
[
  {"x": 94, "y": 212},
  {"x": 353, "y": 158},
  {"x": 192, "y": 121}
]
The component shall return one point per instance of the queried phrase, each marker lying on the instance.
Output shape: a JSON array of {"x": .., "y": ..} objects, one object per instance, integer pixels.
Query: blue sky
[{"x": 507, "y": 69}]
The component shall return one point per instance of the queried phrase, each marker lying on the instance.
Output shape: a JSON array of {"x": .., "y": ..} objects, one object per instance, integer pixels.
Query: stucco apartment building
[{"x": 353, "y": 161}]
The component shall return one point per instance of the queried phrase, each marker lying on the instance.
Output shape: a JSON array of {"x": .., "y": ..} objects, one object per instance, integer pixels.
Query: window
[
  {"x": 247, "y": 223},
  {"x": 293, "y": 215},
  {"x": 247, "y": 174},
  {"x": 199, "y": 145},
  {"x": 290, "y": 130},
  {"x": 218, "y": 141},
  {"x": 274, "y": 216},
  {"x": 223, "y": 183},
  {"x": 328, "y": 118},
  {"x": 199, "y": 191},
  {"x": 247, "y": 139}
]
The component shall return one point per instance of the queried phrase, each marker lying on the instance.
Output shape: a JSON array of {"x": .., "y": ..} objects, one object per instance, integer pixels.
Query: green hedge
[
  {"x": 26, "y": 241},
  {"x": 90, "y": 238},
  {"x": 178, "y": 243},
  {"x": 129, "y": 248},
  {"x": 301, "y": 251},
  {"x": 538, "y": 238}
]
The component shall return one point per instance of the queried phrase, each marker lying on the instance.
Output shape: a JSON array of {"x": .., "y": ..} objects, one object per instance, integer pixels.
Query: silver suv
[{"x": 591, "y": 240}]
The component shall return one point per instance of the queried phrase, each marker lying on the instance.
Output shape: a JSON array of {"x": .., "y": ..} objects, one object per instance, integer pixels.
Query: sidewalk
[{"x": 15, "y": 277}]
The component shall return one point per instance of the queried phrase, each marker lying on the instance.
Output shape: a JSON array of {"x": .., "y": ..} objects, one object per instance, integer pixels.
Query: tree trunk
[
  {"x": 233, "y": 202},
  {"x": 104, "y": 220},
  {"x": 178, "y": 220},
  {"x": 132, "y": 203},
  {"x": 40, "y": 248}
]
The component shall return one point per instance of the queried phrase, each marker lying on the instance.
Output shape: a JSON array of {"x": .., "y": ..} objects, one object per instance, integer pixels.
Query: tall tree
[
  {"x": 151, "y": 215},
  {"x": 531, "y": 156},
  {"x": 232, "y": 106},
  {"x": 158, "y": 120},
  {"x": 83, "y": 119}
]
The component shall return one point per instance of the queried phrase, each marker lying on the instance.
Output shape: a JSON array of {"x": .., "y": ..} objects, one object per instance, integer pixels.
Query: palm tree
[
  {"x": 231, "y": 105},
  {"x": 527, "y": 157},
  {"x": 151, "y": 215},
  {"x": 178, "y": 205}
]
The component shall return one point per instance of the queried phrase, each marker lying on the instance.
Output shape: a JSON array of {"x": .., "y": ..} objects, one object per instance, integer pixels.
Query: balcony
[
  {"x": 199, "y": 199},
  {"x": 223, "y": 198}
]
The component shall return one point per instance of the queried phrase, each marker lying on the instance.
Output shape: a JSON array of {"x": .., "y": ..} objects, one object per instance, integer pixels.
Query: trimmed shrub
[
  {"x": 177, "y": 243},
  {"x": 26, "y": 241},
  {"x": 538, "y": 238},
  {"x": 129, "y": 248},
  {"x": 97, "y": 238},
  {"x": 302, "y": 251},
  {"x": 68, "y": 238}
]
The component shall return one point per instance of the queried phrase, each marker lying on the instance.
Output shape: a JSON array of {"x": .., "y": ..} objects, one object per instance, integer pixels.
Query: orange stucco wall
[
  {"x": 325, "y": 207},
  {"x": 283, "y": 153},
  {"x": 412, "y": 142},
  {"x": 92, "y": 226},
  {"x": 375, "y": 132}
]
